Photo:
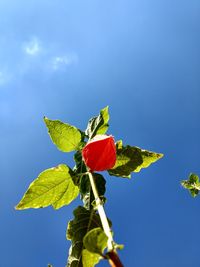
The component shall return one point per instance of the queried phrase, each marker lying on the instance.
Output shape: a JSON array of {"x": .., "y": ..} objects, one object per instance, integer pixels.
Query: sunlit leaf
[
  {"x": 65, "y": 136},
  {"x": 148, "y": 158},
  {"x": 95, "y": 241},
  {"x": 90, "y": 259},
  {"x": 53, "y": 186}
]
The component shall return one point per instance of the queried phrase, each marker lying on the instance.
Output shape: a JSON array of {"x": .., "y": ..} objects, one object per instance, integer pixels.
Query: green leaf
[
  {"x": 132, "y": 159},
  {"x": 65, "y": 136},
  {"x": 148, "y": 158},
  {"x": 90, "y": 259},
  {"x": 53, "y": 186},
  {"x": 86, "y": 191},
  {"x": 192, "y": 184},
  {"x": 80, "y": 165},
  {"x": 128, "y": 159},
  {"x": 99, "y": 124},
  {"x": 84, "y": 221},
  {"x": 95, "y": 241}
]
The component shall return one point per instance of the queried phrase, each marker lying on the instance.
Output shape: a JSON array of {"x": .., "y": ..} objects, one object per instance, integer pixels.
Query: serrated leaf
[
  {"x": 95, "y": 241},
  {"x": 65, "y": 136},
  {"x": 53, "y": 186},
  {"x": 84, "y": 220},
  {"x": 132, "y": 159},
  {"x": 86, "y": 191},
  {"x": 192, "y": 184},
  {"x": 128, "y": 159},
  {"x": 90, "y": 259},
  {"x": 99, "y": 124},
  {"x": 148, "y": 158}
]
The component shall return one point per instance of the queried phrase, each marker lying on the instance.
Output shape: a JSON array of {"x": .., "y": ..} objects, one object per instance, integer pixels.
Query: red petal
[{"x": 99, "y": 154}]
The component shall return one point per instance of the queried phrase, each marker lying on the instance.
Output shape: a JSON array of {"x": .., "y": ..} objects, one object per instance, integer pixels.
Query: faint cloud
[
  {"x": 4, "y": 78},
  {"x": 60, "y": 62},
  {"x": 32, "y": 47}
]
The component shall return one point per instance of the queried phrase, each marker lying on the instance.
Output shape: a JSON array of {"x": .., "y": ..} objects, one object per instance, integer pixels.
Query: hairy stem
[
  {"x": 102, "y": 213},
  {"x": 113, "y": 258}
]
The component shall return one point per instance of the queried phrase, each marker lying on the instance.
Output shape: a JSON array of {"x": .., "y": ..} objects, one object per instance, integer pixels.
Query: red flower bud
[{"x": 99, "y": 154}]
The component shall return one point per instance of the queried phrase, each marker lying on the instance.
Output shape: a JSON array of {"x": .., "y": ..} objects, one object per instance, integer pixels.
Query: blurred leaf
[
  {"x": 95, "y": 241},
  {"x": 90, "y": 259},
  {"x": 86, "y": 191},
  {"x": 118, "y": 246},
  {"x": 84, "y": 221},
  {"x": 132, "y": 159},
  {"x": 192, "y": 184},
  {"x": 65, "y": 136},
  {"x": 99, "y": 124},
  {"x": 53, "y": 186}
]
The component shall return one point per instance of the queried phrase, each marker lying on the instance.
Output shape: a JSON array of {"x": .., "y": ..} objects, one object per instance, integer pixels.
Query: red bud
[{"x": 99, "y": 154}]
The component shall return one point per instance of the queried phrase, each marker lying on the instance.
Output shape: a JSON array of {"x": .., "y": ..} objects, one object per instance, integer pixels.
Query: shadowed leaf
[
  {"x": 132, "y": 159},
  {"x": 86, "y": 191},
  {"x": 99, "y": 124},
  {"x": 84, "y": 221}
]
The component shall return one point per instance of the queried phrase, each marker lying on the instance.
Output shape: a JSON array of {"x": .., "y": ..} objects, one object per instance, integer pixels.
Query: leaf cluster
[
  {"x": 192, "y": 184},
  {"x": 60, "y": 185}
]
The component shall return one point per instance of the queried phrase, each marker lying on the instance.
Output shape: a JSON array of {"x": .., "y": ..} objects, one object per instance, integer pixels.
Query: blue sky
[{"x": 69, "y": 59}]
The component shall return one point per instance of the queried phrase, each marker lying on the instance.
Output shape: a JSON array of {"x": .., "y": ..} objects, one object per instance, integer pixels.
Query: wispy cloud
[
  {"x": 36, "y": 56},
  {"x": 32, "y": 47},
  {"x": 60, "y": 62}
]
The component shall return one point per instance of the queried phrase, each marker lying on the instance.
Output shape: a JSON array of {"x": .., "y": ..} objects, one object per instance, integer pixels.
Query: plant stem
[
  {"x": 113, "y": 258},
  {"x": 102, "y": 213}
]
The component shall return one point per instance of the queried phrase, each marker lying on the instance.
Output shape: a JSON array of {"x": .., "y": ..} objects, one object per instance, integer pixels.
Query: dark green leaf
[
  {"x": 132, "y": 159},
  {"x": 84, "y": 221},
  {"x": 80, "y": 165},
  {"x": 65, "y": 136},
  {"x": 86, "y": 190},
  {"x": 90, "y": 259},
  {"x": 53, "y": 186},
  {"x": 95, "y": 241},
  {"x": 128, "y": 159},
  {"x": 194, "y": 192},
  {"x": 99, "y": 124},
  {"x": 192, "y": 184}
]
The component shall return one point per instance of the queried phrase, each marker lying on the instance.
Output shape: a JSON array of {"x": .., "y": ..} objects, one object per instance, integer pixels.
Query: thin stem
[
  {"x": 102, "y": 213},
  {"x": 113, "y": 258}
]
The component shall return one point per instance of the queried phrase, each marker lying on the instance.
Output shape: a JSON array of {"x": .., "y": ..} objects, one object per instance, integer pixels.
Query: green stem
[{"x": 102, "y": 213}]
